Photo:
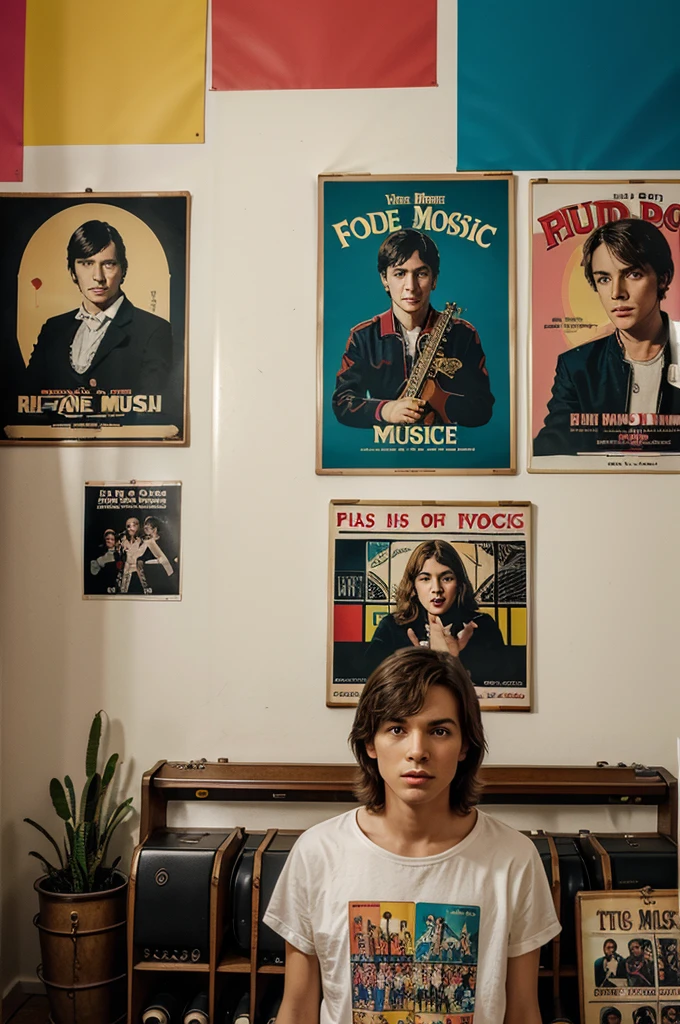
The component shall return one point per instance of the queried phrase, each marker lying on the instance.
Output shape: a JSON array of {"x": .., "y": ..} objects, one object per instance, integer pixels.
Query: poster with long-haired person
[
  {"x": 416, "y": 301},
  {"x": 131, "y": 540},
  {"x": 454, "y": 576},
  {"x": 93, "y": 322},
  {"x": 605, "y": 336}
]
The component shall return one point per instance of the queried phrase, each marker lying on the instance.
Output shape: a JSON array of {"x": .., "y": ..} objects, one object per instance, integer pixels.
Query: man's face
[
  {"x": 613, "y": 1018},
  {"x": 99, "y": 278},
  {"x": 109, "y": 540},
  {"x": 418, "y": 756},
  {"x": 609, "y": 948},
  {"x": 635, "y": 949},
  {"x": 409, "y": 285},
  {"x": 629, "y": 295}
]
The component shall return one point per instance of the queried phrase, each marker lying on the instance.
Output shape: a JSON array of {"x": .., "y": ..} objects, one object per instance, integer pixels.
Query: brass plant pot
[{"x": 83, "y": 949}]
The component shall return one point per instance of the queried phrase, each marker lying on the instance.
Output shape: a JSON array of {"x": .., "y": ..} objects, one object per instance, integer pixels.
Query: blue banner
[{"x": 578, "y": 87}]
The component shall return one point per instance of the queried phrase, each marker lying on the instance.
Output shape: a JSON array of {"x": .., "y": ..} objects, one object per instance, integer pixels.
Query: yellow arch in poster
[{"x": 44, "y": 285}]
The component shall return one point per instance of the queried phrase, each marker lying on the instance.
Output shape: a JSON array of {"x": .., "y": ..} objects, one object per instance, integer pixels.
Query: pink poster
[
  {"x": 605, "y": 335},
  {"x": 12, "y": 90}
]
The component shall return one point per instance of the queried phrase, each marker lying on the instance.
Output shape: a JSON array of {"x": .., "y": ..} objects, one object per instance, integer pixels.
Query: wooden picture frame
[
  {"x": 61, "y": 383},
  {"x": 642, "y": 987},
  {"x": 582, "y": 385},
  {"x": 488, "y": 546},
  {"x": 463, "y": 228}
]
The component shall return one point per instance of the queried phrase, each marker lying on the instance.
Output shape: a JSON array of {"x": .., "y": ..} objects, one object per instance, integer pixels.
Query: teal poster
[{"x": 416, "y": 324}]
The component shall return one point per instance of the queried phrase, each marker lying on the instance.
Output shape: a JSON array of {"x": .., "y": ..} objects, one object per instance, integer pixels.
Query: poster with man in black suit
[{"x": 93, "y": 322}]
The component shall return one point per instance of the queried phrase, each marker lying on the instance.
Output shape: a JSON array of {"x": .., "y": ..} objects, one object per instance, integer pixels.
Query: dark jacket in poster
[
  {"x": 595, "y": 379},
  {"x": 134, "y": 354},
  {"x": 375, "y": 368},
  {"x": 485, "y": 655}
]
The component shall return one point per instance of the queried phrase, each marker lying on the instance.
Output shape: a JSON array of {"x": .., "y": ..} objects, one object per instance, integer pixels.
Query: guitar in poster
[
  {"x": 605, "y": 362},
  {"x": 416, "y": 324}
]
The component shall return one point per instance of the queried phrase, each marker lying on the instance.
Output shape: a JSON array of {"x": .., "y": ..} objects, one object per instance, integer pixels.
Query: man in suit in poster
[
  {"x": 630, "y": 372},
  {"x": 108, "y": 343},
  {"x": 610, "y": 966}
]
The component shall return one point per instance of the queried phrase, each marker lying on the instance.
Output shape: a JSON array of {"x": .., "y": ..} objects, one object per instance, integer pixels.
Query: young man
[
  {"x": 417, "y": 857},
  {"x": 107, "y": 343},
  {"x": 381, "y": 352},
  {"x": 632, "y": 370},
  {"x": 639, "y": 965},
  {"x": 610, "y": 966}
]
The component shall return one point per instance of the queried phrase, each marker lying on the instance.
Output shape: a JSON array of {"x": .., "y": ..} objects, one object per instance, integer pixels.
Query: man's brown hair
[
  {"x": 636, "y": 243},
  {"x": 397, "y": 689}
]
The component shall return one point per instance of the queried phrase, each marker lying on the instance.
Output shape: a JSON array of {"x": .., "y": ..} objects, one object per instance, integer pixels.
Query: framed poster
[
  {"x": 398, "y": 567},
  {"x": 93, "y": 326},
  {"x": 131, "y": 540},
  {"x": 605, "y": 336},
  {"x": 628, "y": 956},
  {"x": 409, "y": 381}
]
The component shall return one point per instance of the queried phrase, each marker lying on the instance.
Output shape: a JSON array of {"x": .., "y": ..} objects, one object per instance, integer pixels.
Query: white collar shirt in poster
[
  {"x": 90, "y": 334},
  {"x": 399, "y": 936}
]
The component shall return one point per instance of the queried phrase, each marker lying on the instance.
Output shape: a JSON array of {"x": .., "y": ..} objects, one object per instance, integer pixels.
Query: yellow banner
[{"x": 132, "y": 72}]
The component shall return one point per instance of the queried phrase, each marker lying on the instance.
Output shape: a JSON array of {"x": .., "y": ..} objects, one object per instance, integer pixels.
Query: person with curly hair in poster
[{"x": 639, "y": 964}]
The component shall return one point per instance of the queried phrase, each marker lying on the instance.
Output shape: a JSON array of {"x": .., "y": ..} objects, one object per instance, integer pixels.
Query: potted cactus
[{"x": 82, "y": 900}]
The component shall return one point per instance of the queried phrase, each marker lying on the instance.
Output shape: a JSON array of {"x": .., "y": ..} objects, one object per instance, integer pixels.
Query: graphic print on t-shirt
[{"x": 413, "y": 963}]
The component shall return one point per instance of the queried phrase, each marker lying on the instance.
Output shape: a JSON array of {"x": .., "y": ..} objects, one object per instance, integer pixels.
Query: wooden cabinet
[{"x": 229, "y": 969}]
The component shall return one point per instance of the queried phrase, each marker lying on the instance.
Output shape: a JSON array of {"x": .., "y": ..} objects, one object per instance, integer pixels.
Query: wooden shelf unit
[{"x": 333, "y": 783}]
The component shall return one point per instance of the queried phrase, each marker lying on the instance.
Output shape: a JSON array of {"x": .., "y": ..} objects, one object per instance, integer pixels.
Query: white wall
[{"x": 237, "y": 668}]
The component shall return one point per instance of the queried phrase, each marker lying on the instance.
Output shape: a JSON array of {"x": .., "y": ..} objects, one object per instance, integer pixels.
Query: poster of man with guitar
[
  {"x": 412, "y": 388},
  {"x": 412, "y": 364}
]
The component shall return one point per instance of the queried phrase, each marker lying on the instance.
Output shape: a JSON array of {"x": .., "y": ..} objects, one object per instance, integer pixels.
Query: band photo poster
[
  {"x": 93, "y": 323},
  {"x": 628, "y": 956},
  {"x": 131, "y": 540},
  {"x": 605, "y": 337},
  {"x": 416, "y": 321},
  {"x": 414, "y": 573}
]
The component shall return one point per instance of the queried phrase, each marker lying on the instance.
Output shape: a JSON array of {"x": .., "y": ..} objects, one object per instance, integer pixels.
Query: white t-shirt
[
  {"x": 399, "y": 936},
  {"x": 644, "y": 392}
]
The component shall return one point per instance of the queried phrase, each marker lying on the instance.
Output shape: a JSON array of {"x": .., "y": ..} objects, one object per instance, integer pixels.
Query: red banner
[
  {"x": 323, "y": 44},
  {"x": 12, "y": 90}
]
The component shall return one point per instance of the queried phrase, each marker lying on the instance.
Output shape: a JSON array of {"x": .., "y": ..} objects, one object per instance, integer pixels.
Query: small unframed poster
[
  {"x": 628, "y": 957},
  {"x": 131, "y": 540},
  {"x": 400, "y": 569}
]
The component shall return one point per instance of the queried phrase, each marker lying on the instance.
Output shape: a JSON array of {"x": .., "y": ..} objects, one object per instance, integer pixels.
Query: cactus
[{"x": 80, "y": 866}]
